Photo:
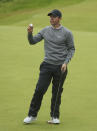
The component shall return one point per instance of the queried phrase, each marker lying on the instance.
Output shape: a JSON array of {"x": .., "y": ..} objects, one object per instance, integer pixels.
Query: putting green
[
  {"x": 19, "y": 63},
  {"x": 19, "y": 68}
]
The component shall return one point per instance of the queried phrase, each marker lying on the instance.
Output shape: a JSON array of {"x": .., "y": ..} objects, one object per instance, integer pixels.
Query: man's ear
[{"x": 60, "y": 18}]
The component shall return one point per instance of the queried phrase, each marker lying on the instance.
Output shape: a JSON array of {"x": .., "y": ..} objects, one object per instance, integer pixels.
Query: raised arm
[{"x": 33, "y": 39}]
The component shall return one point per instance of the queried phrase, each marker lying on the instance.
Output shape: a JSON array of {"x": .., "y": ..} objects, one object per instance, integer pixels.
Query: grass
[
  {"x": 81, "y": 16},
  {"x": 19, "y": 68},
  {"x": 15, "y": 5}
]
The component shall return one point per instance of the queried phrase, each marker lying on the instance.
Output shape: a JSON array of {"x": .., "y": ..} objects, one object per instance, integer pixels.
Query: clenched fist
[{"x": 30, "y": 28}]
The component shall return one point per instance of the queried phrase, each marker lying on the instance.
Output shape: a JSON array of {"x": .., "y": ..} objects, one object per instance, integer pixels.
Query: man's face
[{"x": 54, "y": 20}]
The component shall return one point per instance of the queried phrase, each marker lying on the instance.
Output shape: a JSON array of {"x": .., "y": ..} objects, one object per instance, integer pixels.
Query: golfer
[{"x": 59, "y": 49}]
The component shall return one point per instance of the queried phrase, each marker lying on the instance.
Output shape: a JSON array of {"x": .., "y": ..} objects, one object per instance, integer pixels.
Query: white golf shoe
[
  {"x": 29, "y": 119},
  {"x": 54, "y": 121}
]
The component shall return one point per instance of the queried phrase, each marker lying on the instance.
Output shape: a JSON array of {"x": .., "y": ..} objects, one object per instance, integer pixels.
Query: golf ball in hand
[{"x": 31, "y": 25}]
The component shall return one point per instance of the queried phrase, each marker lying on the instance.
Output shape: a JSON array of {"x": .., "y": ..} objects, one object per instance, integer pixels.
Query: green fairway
[{"x": 19, "y": 68}]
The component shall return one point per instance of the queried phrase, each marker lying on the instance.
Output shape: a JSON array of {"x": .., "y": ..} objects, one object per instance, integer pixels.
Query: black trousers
[{"x": 48, "y": 73}]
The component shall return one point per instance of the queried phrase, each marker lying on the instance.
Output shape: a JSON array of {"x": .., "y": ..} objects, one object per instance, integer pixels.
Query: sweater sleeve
[
  {"x": 37, "y": 38},
  {"x": 70, "y": 47}
]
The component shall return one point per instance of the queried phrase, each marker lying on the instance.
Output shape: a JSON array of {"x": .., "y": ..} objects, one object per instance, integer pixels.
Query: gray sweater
[{"x": 58, "y": 44}]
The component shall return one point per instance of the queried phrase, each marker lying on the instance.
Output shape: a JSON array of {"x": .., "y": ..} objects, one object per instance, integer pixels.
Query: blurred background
[{"x": 19, "y": 64}]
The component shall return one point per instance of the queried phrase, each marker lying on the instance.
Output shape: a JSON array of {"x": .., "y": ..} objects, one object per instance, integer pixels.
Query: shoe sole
[{"x": 49, "y": 122}]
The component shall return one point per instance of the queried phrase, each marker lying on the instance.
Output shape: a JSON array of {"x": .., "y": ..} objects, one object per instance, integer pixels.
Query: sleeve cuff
[{"x": 66, "y": 62}]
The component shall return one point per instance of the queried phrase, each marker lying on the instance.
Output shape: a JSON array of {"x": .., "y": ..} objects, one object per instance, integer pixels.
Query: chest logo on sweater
[{"x": 59, "y": 36}]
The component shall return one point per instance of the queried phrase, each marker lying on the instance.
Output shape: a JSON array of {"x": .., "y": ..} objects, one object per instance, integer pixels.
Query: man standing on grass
[{"x": 59, "y": 49}]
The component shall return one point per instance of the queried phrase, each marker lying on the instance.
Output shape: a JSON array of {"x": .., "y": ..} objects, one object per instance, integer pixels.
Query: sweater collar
[{"x": 57, "y": 28}]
